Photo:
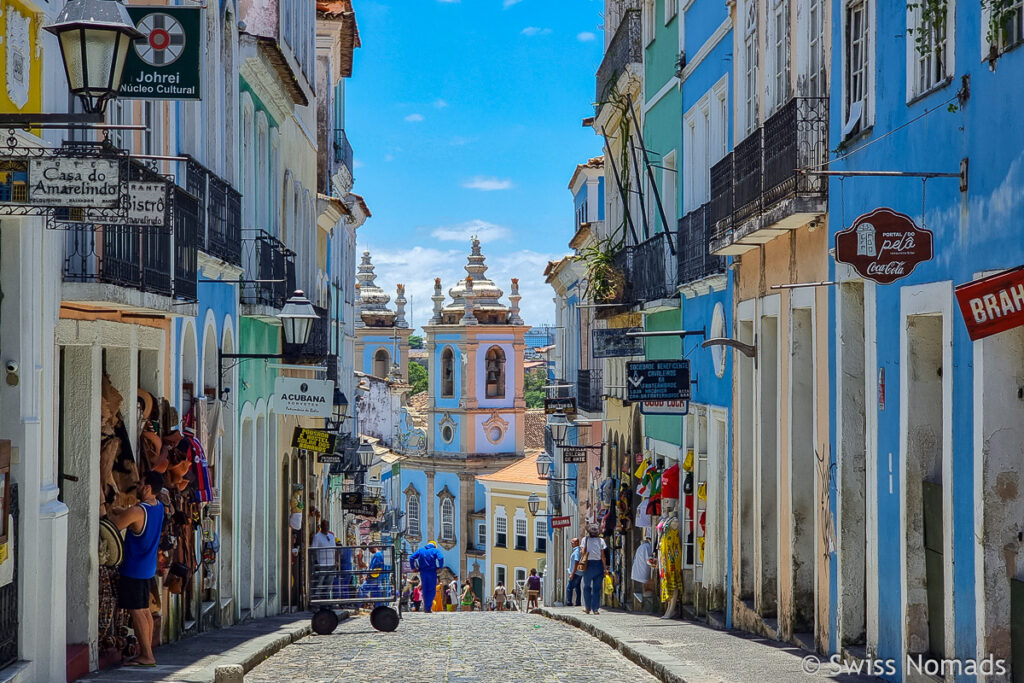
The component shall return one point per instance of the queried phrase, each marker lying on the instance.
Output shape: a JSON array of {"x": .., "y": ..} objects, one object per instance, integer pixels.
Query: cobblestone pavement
[{"x": 452, "y": 647}]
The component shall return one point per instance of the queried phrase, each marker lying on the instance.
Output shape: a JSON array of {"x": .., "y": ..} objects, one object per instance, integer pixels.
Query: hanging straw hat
[{"x": 111, "y": 550}]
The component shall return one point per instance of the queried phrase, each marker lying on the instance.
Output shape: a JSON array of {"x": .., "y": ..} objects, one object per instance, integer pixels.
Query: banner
[
  {"x": 166, "y": 63},
  {"x": 300, "y": 396},
  {"x": 316, "y": 440}
]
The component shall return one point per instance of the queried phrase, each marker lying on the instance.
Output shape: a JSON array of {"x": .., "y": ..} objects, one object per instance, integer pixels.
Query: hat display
[
  {"x": 111, "y": 550},
  {"x": 146, "y": 404}
]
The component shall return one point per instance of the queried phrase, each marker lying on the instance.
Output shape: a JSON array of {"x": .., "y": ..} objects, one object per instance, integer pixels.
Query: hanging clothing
[
  {"x": 643, "y": 517},
  {"x": 670, "y": 564},
  {"x": 641, "y": 569},
  {"x": 670, "y": 482}
]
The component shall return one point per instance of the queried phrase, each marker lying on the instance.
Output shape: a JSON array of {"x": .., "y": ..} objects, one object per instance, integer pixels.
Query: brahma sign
[
  {"x": 884, "y": 246},
  {"x": 992, "y": 304}
]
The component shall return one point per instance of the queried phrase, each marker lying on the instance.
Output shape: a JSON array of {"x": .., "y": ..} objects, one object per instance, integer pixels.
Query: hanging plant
[
  {"x": 931, "y": 23},
  {"x": 999, "y": 14},
  {"x": 605, "y": 282}
]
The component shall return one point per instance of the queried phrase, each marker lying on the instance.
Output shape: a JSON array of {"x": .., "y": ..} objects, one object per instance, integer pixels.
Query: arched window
[
  {"x": 495, "y": 372},
  {"x": 448, "y": 373},
  {"x": 381, "y": 363},
  {"x": 447, "y": 520},
  {"x": 412, "y": 515}
]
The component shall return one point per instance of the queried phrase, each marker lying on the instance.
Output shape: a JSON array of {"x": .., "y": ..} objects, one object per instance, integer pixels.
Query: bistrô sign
[
  {"x": 992, "y": 304},
  {"x": 884, "y": 245}
]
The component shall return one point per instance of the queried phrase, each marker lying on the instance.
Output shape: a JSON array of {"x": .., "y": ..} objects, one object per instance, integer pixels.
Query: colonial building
[{"x": 382, "y": 334}]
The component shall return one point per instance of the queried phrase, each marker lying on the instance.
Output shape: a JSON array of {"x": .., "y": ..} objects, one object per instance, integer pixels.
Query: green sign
[{"x": 166, "y": 62}]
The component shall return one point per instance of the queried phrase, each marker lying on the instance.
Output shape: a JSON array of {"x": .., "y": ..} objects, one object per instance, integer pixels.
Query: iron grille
[
  {"x": 748, "y": 176},
  {"x": 269, "y": 269},
  {"x": 9, "y": 601},
  {"x": 220, "y": 206},
  {"x": 795, "y": 137},
  {"x": 719, "y": 218},
  {"x": 186, "y": 244},
  {"x": 342, "y": 149},
  {"x": 695, "y": 261},
  {"x": 589, "y": 387},
  {"x": 624, "y": 49},
  {"x": 649, "y": 269},
  {"x": 319, "y": 344}
]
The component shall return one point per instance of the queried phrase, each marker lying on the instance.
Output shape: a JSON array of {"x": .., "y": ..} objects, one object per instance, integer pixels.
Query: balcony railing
[
  {"x": 695, "y": 261},
  {"x": 589, "y": 387},
  {"x": 795, "y": 137},
  {"x": 221, "y": 207},
  {"x": 269, "y": 269},
  {"x": 342, "y": 149},
  {"x": 626, "y": 48},
  {"x": 318, "y": 347},
  {"x": 747, "y": 177},
  {"x": 187, "y": 224},
  {"x": 719, "y": 214},
  {"x": 649, "y": 271}
]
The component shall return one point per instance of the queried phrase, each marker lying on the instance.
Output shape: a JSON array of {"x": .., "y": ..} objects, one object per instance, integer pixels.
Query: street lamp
[
  {"x": 559, "y": 426},
  {"x": 543, "y": 465},
  {"x": 94, "y": 37},
  {"x": 340, "y": 411},
  {"x": 296, "y": 317},
  {"x": 533, "y": 502},
  {"x": 365, "y": 453}
]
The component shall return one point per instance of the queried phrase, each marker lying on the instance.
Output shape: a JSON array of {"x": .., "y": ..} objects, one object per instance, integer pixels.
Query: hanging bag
[{"x": 581, "y": 565}]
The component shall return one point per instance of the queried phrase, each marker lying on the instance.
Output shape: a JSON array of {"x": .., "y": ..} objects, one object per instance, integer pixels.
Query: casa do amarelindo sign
[
  {"x": 79, "y": 182},
  {"x": 166, "y": 63},
  {"x": 884, "y": 246}
]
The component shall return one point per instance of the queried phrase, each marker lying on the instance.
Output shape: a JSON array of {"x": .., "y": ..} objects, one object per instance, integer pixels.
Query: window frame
[
  {"x": 481, "y": 535},
  {"x": 990, "y": 51},
  {"x": 751, "y": 68},
  {"x": 501, "y": 576},
  {"x": 501, "y": 537},
  {"x": 778, "y": 50},
  {"x": 817, "y": 78},
  {"x": 671, "y": 10},
  {"x": 647, "y": 22},
  {"x": 865, "y": 79},
  {"x": 920, "y": 83},
  {"x": 540, "y": 536},
  {"x": 412, "y": 521},
  {"x": 447, "y": 502},
  {"x": 525, "y": 535}
]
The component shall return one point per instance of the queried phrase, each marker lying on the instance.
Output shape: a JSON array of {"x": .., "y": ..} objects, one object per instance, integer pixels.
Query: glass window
[
  {"x": 780, "y": 29},
  {"x": 927, "y": 42},
  {"x": 481, "y": 535},
  {"x": 412, "y": 515},
  {"x": 671, "y": 9},
  {"x": 499, "y": 575},
  {"x": 541, "y": 534},
  {"x": 520, "y": 534},
  {"x": 750, "y": 66},
  {"x": 501, "y": 532},
  {"x": 448, "y": 373},
  {"x": 447, "y": 520},
  {"x": 856, "y": 65},
  {"x": 816, "y": 50}
]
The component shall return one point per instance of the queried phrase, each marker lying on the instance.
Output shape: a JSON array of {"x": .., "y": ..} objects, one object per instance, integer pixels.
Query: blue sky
[{"x": 465, "y": 117}]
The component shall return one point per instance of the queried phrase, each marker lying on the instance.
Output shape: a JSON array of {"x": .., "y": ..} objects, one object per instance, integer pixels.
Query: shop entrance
[
  {"x": 802, "y": 468},
  {"x": 923, "y": 508}
]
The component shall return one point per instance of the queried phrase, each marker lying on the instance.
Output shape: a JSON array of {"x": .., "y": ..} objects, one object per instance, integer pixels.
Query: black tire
[
  {"x": 384, "y": 618},
  {"x": 324, "y": 622}
]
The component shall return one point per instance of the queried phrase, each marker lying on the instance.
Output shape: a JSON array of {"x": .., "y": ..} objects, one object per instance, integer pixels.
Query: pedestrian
[
  {"x": 427, "y": 560},
  {"x": 417, "y": 596},
  {"x": 453, "y": 594},
  {"x": 592, "y": 549},
  {"x": 468, "y": 598},
  {"x": 326, "y": 561},
  {"x": 500, "y": 596},
  {"x": 144, "y": 523},
  {"x": 532, "y": 589},
  {"x": 575, "y": 575}
]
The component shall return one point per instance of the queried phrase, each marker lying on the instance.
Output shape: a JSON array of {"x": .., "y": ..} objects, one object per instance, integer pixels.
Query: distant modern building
[{"x": 538, "y": 338}]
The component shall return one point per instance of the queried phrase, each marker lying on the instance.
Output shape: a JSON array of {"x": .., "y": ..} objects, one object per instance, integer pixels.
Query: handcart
[{"x": 336, "y": 580}]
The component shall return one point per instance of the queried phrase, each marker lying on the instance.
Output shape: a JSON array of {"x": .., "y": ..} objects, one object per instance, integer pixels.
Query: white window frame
[
  {"x": 669, "y": 191},
  {"x": 647, "y": 22},
  {"x": 520, "y": 571},
  {"x": 500, "y": 528},
  {"x": 924, "y": 74},
  {"x": 412, "y": 521},
  {"x": 1000, "y": 48},
  {"x": 749, "y": 52},
  {"x": 778, "y": 53},
  {"x": 858, "y": 121},
  {"x": 719, "y": 117},
  {"x": 502, "y": 576},
  {"x": 447, "y": 503},
  {"x": 481, "y": 535},
  {"x": 526, "y": 533},
  {"x": 817, "y": 66},
  {"x": 671, "y": 10},
  {"x": 540, "y": 532}
]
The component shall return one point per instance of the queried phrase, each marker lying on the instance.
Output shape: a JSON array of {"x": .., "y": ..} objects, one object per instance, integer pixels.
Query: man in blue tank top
[{"x": 144, "y": 523}]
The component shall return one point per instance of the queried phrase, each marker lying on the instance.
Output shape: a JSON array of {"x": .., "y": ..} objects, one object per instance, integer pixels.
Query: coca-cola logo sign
[{"x": 884, "y": 245}]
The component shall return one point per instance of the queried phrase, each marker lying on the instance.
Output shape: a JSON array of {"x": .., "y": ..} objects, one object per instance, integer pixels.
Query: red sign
[
  {"x": 560, "y": 522},
  {"x": 992, "y": 304},
  {"x": 884, "y": 246}
]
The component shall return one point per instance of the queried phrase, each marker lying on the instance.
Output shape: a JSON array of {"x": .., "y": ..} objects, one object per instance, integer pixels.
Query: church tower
[
  {"x": 475, "y": 343},
  {"x": 382, "y": 334}
]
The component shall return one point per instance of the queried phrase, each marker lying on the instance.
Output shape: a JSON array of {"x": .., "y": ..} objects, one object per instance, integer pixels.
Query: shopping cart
[{"x": 336, "y": 581}]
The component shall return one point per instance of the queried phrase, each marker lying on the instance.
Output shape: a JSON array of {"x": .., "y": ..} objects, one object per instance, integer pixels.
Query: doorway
[
  {"x": 766, "y": 597},
  {"x": 802, "y": 468},
  {"x": 746, "y": 429}
]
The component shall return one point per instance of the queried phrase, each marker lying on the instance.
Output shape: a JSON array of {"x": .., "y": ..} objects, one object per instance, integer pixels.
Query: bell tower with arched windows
[
  {"x": 475, "y": 342},
  {"x": 382, "y": 334}
]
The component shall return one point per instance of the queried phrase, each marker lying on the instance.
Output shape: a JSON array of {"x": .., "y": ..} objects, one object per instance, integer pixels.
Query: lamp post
[
  {"x": 297, "y": 317},
  {"x": 340, "y": 412},
  {"x": 94, "y": 37}
]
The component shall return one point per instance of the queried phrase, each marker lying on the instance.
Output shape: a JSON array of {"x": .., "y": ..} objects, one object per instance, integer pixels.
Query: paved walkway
[
  {"x": 675, "y": 650},
  {"x": 193, "y": 660},
  {"x": 497, "y": 647}
]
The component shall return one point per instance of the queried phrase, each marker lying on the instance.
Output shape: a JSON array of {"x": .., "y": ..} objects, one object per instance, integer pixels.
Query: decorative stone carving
[
  {"x": 495, "y": 428},
  {"x": 18, "y": 45}
]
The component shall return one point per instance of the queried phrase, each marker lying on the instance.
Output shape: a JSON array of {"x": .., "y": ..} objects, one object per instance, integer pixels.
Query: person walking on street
[
  {"x": 467, "y": 598},
  {"x": 427, "y": 560},
  {"x": 592, "y": 548},
  {"x": 500, "y": 596},
  {"x": 417, "y": 596},
  {"x": 575, "y": 575},
  {"x": 453, "y": 594},
  {"x": 326, "y": 561},
  {"x": 532, "y": 589},
  {"x": 144, "y": 523}
]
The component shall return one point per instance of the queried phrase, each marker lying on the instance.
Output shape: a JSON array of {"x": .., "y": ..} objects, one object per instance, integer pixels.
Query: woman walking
[
  {"x": 467, "y": 598},
  {"x": 592, "y": 547},
  {"x": 500, "y": 596}
]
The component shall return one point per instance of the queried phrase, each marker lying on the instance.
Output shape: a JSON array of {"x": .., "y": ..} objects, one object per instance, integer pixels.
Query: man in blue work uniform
[{"x": 427, "y": 560}]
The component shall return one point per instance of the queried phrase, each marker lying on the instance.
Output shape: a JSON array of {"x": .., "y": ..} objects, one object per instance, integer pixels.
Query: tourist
[
  {"x": 592, "y": 549},
  {"x": 532, "y": 589},
  {"x": 500, "y": 596},
  {"x": 575, "y": 575}
]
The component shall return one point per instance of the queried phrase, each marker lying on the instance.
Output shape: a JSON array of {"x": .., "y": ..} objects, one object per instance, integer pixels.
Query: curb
[
  {"x": 656, "y": 662},
  {"x": 275, "y": 644}
]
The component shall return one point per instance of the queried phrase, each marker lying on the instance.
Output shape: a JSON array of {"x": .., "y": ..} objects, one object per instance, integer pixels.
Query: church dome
[
  {"x": 486, "y": 296},
  {"x": 373, "y": 301}
]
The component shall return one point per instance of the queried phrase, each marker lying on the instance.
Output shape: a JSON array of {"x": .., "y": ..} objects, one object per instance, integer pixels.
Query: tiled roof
[
  {"x": 520, "y": 472},
  {"x": 535, "y": 422}
]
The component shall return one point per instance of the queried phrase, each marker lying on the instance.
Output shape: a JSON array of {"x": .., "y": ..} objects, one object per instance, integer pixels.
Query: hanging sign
[
  {"x": 351, "y": 499},
  {"x": 574, "y": 455},
  {"x": 992, "y": 304},
  {"x": 300, "y": 396},
  {"x": 147, "y": 204},
  {"x": 560, "y": 405},
  {"x": 316, "y": 440},
  {"x": 665, "y": 408},
  {"x": 364, "y": 510},
  {"x": 166, "y": 63},
  {"x": 658, "y": 380},
  {"x": 329, "y": 459},
  {"x": 64, "y": 181},
  {"x": 615, "y": 343},
  {"x": 560, "y": 522},
  {"x": 884, "y": 246}
]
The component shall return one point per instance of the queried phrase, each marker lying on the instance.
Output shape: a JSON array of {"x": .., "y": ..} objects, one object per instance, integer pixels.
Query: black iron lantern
[
  {"x": 296, "y": 317},
  {"x": 543, "y": 465},
  {"x": 533, "y": 502},
  {"x": 94, "y": 37},
  {"x": 365, "y": 453}
]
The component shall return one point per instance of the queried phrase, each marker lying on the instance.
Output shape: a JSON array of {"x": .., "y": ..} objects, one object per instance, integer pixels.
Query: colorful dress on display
[{"x": 670, "y": 564}]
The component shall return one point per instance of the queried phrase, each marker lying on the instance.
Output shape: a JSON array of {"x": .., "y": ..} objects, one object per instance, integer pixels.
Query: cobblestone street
[{"x": 475, "y": 646}]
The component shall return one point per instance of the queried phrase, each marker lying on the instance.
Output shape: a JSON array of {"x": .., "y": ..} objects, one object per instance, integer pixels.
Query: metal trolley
[{"x": 335, "y": 581}]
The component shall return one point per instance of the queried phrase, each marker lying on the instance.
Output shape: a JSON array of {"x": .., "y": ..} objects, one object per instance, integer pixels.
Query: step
[{"x": 804, "y": 641}]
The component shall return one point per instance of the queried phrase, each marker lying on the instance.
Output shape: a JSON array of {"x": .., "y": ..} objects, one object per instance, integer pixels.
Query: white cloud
[
  {"x": 357, "y": 163},
  {"x": 535, "y": 31},
  {"x": 463, "y": 232},
  {"x": 440, "y": 104},
  {"x": 416, "y": 268},
  {"x": 509, "y": 3},
  {"x": 585, "y": 36},
  {"x": 487, "y": 184},
  {"x": 414, "y": 118}
]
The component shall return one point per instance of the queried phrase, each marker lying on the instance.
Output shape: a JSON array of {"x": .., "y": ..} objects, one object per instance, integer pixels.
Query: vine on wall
[
  {"x": 1000, "y": 13},
  {"x": 931, "y": 24}
]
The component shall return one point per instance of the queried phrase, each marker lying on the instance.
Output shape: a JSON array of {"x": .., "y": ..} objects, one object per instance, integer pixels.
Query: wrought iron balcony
[
  {"x": 342, "y": 149},
  {"x": 695, "y": 260},
  {"x": 770, "y": 196},
  {"x": 318, "y": 347},
  {"x": 221, "y": 209},
  {"x": 626, "y": 48},
  {"x": 719, "y": 214},
  {"x": 269, "y": 269},
  {"x": 187, "y": 223},
  {"x": 649, "y": 272},
  {"x": 589, "y": 387}
]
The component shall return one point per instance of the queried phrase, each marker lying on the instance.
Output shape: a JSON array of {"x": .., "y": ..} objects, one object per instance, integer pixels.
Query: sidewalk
[
  {"x": 195, "y": 659},
  {"x": 675, "y": 650}
]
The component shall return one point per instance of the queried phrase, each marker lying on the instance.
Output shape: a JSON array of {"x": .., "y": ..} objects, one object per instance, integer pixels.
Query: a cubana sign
[{"x": 884, "y": 246}]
